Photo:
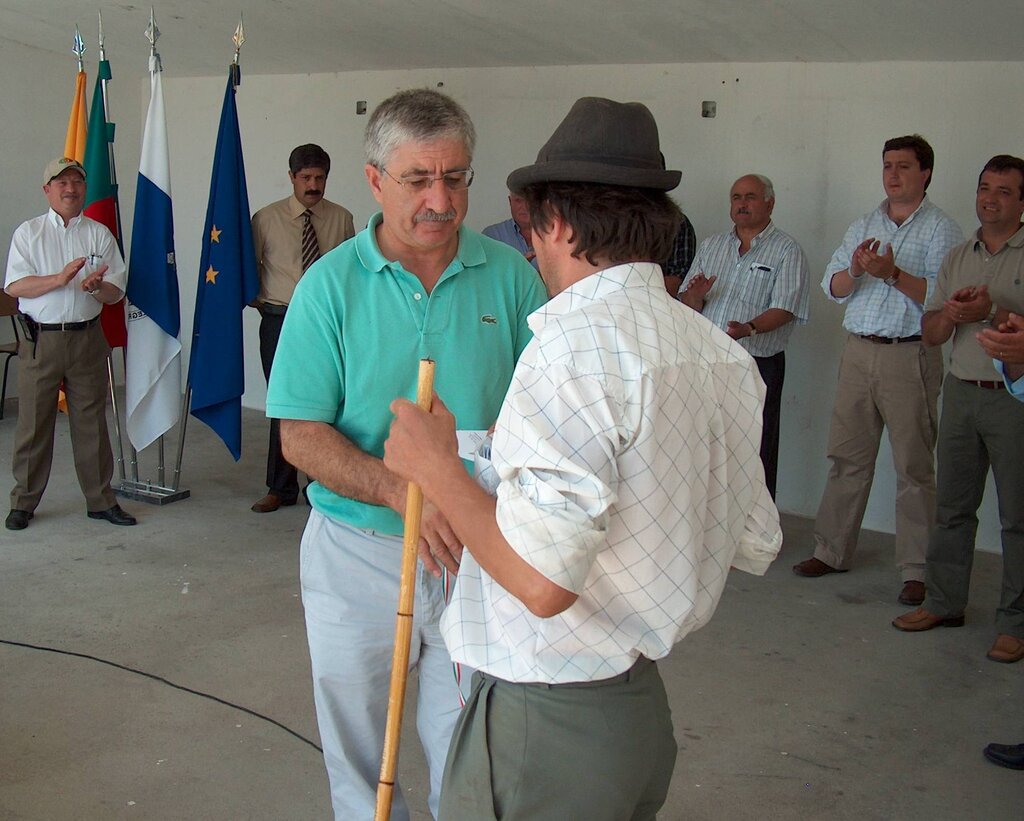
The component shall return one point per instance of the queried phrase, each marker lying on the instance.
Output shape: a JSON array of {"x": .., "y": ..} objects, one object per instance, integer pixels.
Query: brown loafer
[
  {"x": 912, "y": 594},
  {"x": 917, "y": 621},
  {"x": 270, "y": 503},
  {"x": 1007, "y": 649},
  {"x": 813, "y": 567}
]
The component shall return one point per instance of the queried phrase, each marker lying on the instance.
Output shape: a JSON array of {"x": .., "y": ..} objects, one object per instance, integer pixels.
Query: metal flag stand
[{"x": 154, "y": 493}]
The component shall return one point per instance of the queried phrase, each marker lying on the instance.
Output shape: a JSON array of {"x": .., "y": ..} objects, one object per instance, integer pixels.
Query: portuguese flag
[
  {"x": 101, "y": 195},
  {"x": 74, "y": 142}
]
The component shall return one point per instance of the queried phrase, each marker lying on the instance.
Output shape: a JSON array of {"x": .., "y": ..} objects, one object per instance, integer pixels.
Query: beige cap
[{"x": 54, "y": 168}]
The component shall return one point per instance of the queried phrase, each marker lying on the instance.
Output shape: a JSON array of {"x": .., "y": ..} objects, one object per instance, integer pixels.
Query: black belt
[
  {"x": 273, "y": 310},
  {"x": 889, "y": 340},
  {"x": 67, "y": 326}
]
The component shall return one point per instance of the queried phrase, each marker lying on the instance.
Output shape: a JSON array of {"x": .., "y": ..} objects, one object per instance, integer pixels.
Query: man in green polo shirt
[{"x": 414, "y": 284}]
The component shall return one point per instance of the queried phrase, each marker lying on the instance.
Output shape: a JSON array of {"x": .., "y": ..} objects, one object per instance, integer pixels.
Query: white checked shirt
[
  {"x": 772, "y": 273},
  {"x": 918, "y": 245},
  {"x": 628, "y": 452}
]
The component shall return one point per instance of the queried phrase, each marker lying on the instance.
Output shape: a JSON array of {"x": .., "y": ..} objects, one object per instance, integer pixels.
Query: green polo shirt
[{"x": 358, "y": 325}]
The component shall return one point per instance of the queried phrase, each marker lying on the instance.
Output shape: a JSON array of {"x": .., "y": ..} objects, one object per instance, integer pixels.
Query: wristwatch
[
  {"x": 753, "y": 329},
  {"x": 894, "y": 278}
]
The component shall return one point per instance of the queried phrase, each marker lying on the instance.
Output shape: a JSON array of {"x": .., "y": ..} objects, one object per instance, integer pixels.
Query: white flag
[{"x": 153, "y": 355}]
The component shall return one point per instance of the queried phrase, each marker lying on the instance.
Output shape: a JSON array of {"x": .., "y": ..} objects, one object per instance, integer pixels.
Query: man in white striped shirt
[
  {"x": 630, "y": 484},
  {"x": 752, "y": 282}
]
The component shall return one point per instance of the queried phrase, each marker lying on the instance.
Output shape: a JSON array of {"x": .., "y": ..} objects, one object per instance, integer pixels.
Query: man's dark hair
[
  {"x": 919, "y": 145},
  {"x": 309, "y": 155},
  {"x": 1005, "y": 162},
  {"x": 610, "y": 223}
]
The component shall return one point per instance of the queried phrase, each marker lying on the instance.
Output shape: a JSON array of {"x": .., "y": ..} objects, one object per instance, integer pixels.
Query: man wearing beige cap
[
  {"x": 627, "y": 449},
  {"x": 62, "y": 267}
]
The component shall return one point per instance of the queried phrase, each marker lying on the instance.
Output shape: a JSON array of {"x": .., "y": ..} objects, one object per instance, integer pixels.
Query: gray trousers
[
  {"x": 529, "y": 752},
  {"x": 350, "y": 582},
  {"x": 881, "y": 386},
  {"x": 980, "y": 427},
  {"x": 79, "y": 358}
]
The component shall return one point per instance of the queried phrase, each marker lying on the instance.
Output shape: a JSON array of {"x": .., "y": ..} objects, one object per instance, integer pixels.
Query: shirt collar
[
  {"x": 924, "y": 205},
  {"x": 1016, "y": 241},
  {"x": 596, "y": 287},
  {"x": 769, "y": 229},
  {"x": 469, "y": 254},
  {"x": 296, "y": 209},
  {"x": 58, "y": 220}
]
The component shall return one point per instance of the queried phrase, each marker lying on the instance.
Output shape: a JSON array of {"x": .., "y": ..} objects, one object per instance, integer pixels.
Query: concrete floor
[{"x": 799, "y": 701}]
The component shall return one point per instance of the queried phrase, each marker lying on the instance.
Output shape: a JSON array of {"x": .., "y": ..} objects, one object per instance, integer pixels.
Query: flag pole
[{"x": 120, "y": 246}]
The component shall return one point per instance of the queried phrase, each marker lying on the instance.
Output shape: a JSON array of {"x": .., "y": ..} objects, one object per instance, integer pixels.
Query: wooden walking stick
[{"x": 403, "y": 621}]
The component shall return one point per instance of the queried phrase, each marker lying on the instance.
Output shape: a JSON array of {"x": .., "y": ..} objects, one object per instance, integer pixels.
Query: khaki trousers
[
  {"x": 881, "y": 386},
  {"x": 79, "y": 358}
]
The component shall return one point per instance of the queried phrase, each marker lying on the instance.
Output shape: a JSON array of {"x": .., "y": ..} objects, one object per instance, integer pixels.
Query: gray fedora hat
[{"x": 601, "y": 141}]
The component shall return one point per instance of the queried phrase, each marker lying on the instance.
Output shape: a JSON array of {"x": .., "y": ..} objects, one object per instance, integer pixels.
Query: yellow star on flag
[
  {"x": 215, "y": 233},
  {"x": 211, "y": 275}
]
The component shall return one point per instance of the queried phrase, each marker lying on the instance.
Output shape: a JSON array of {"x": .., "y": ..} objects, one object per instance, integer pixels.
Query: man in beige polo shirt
[
  {"x": 290, "y": 235},
  {"x": 979, "y": 285}
]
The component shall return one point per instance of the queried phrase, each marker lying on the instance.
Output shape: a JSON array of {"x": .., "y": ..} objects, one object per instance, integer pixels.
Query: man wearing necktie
[{"x": 290, "y": 235}]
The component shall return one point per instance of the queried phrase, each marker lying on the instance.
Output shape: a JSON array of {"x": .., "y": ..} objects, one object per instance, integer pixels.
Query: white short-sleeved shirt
[{"x": 43, "y": 246}]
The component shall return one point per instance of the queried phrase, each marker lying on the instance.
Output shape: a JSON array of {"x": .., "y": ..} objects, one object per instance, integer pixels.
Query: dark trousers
[
  {"x": 773, "y": 372},
  {"x": 282, "y": 477}
]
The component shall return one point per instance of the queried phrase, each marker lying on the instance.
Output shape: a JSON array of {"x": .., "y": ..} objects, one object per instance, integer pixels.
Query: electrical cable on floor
[{"x": 168, "y": 683}]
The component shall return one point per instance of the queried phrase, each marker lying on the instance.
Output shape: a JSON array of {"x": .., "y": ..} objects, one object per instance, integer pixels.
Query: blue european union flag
[{"x": 228, "y": 281}]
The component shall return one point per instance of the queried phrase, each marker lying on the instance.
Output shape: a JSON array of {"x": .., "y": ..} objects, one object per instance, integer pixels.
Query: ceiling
[{"x": 324, "y": 36}]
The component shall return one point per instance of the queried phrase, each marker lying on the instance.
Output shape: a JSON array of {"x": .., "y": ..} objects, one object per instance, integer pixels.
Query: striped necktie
[{"x": 310, "y": 247}]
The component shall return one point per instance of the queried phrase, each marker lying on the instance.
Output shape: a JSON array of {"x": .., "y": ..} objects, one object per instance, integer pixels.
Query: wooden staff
[{"x": 403, "y": 622}]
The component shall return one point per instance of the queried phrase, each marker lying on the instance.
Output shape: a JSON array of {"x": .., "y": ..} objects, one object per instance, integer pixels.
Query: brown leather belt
[
  {"x": 985, "y": 383},
  {"x": 889, "y": 340}
]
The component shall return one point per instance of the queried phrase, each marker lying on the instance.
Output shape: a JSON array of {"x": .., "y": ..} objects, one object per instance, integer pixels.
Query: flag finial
[
  {"x": 99, "y": 41},
  {"x": 78, "y": 49},
  {"x": 238, "y": 38},
  {"x": 152, "y": 32}
]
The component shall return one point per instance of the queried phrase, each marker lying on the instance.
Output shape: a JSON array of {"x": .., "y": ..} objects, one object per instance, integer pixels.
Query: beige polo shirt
[{"x": 970, "y": 263}]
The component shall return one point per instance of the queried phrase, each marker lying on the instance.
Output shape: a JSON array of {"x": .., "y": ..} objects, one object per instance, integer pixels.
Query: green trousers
[{"x": 603, "y": 751}]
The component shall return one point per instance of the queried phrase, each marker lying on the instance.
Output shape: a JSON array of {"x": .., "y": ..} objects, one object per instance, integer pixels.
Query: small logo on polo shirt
[{"x": 489, "y": 319}]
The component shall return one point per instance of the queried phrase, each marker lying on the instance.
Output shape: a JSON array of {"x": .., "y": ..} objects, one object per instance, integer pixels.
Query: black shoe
[
  {"x": 114, "y": 515},
  {"x": 18, "y": 519},
  {"x": 1006, "y": 755}
]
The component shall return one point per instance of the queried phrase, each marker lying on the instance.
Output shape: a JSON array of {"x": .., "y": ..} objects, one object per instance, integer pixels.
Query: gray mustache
[{"x": 434, "y": 216}]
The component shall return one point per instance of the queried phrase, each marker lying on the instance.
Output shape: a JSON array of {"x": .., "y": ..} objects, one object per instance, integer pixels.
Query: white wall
[{"x": 815, "y": 129}]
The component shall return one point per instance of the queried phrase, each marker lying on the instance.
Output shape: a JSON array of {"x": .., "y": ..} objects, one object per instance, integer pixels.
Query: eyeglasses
[{"x": 453, "y": 180}]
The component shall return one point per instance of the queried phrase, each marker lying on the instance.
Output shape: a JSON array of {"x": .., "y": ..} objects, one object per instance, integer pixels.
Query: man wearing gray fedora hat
[{"x": 630, "y": 482}]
